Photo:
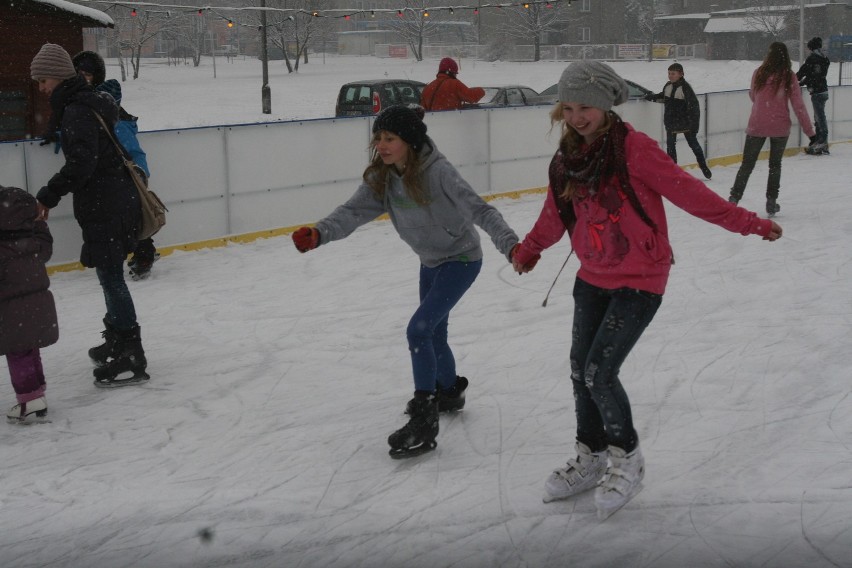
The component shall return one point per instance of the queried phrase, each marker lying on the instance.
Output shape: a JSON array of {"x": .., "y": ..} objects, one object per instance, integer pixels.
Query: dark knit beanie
[
  {"x": 113, "y": 88},
  {"x": 815, "y": 43},
  {"x": 405, "y": 122},
  {"x": 448, "y": 66},
  {"x": 93, "y": 63},
  {"x": 52, "y": 62}
]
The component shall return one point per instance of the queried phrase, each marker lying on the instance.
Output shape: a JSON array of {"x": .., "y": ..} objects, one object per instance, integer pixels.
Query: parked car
[
  {"x": 507, "y": 96},
  {"x": 364, "y": 98},
  {"x": 550, "y": 94}
]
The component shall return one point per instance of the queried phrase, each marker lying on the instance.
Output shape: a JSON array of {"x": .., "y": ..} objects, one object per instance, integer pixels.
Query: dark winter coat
[
  {"x": 682, "y": 113},
  {"x": 812, "y": 73},
  {"x": 27, "y": 309},
  {"x": 106, "y": 204}
]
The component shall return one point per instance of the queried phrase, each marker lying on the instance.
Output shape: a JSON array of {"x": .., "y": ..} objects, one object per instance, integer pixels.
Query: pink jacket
[
  {"x": 645, "y": 261},
  {"x": 770, "y": 115}
]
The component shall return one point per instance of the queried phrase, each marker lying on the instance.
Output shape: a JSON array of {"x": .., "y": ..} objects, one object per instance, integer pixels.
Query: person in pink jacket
[
  {"x": 773, "y": 87},
  {"x": 606, "y": 190}
]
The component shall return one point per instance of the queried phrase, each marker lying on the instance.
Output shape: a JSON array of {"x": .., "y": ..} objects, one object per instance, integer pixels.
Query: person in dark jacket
[
  {"x": 106, "y": 206},
  {"x": 446, "y": 92},
  {"x": 91, "y": 66},
  {"x": 812, "y": 75},
  {"x": 682, "y": 115},
  {"x": 27, "y": 310}
]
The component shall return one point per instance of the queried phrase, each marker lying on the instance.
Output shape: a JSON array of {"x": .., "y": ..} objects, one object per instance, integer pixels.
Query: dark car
[
  {"x": 364, "y": 98},
  {"x": 550, "y": 95},
  {"x": 508, "y": 96}
]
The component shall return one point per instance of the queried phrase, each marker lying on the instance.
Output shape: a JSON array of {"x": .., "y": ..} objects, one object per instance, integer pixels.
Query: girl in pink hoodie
[
  {"x": 774, "y": 86},
  {"x": 607, "y": 184}
]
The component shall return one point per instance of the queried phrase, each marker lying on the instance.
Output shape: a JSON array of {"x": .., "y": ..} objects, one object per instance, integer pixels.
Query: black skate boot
[
  {"x": 140, "y": 268},
  {"x": 127, "y": 356},
  {"x": 418, "y": 436},
  {"x": 449, "y": 400},
  {"x": 772, "y": 207},
  {"x": 452, "y": 400},
  {"x": 100, "y": 354}
]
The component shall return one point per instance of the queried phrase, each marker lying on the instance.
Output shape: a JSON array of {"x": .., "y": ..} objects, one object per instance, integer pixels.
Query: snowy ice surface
[{"x": 260, "y": 440}]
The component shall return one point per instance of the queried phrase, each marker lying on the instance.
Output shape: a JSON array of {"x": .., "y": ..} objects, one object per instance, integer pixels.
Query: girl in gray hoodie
[{"x": 434, "y": 211}]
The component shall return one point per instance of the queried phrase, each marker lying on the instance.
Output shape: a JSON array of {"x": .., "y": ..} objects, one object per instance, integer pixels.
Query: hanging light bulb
[
  {"x": 526, "y": 6},
  {"x": 451, "y": 10},
  {"x": 133, "y": 12},
  {"x": 476, "y": 11},
  {"x": 346, "y": 17},
  {"x": 315, "y": 14},
  {"x": 399, "y": 13},
  {"x": 200, "y": 13},
  {"x": 230, "y": 24},
  {"x": 425, "y": 13},
  {"x": 372, "y": 14}
]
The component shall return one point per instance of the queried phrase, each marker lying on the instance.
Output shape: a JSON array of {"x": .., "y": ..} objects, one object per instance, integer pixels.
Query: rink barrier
[{"x": 262, "y": 180}]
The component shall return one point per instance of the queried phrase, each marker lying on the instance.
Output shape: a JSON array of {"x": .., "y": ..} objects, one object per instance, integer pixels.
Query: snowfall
[{"x": 260, "y": 440}]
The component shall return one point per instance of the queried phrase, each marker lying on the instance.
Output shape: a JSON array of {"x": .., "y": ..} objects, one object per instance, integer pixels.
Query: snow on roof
[
  {"x": 696, "y": 16},
  {"x": 90, "y": 13},
  {"x": 730, "y": 25}
]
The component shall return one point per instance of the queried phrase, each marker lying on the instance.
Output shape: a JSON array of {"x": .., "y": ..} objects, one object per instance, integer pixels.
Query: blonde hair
[
  {"x": 570, "y": 140},
  {"x": 376, "y": 174}
]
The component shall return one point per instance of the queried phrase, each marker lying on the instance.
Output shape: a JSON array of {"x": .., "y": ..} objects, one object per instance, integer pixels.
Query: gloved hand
[
  {"x": 519, "y": 267},
  {"x": 306, "y": 238},
  {"x": 812, "y": 140},
  {"x": 651, "y": 97}
]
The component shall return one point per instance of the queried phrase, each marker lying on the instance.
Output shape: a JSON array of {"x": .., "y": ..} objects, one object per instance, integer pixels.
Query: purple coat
[{"x": 27, "y": 310}]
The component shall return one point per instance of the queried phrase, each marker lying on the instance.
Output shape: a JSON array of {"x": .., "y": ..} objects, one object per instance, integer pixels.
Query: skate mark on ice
[
  {"x": 840, "y": 438},
  {"x": 334, "y": 474},
  {"x": 811, "y": 543},
  {"x": 706, "y": 542},
  {"x": 513, "y": 283}
]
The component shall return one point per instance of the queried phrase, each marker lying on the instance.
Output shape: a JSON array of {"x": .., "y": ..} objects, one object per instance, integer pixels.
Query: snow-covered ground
[
  {"x": 175, "y": 97},
  {"x": 276, "y": 378}
]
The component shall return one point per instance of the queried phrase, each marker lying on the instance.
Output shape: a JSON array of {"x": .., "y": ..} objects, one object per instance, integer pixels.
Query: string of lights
[{"x": 344, "y": 13}]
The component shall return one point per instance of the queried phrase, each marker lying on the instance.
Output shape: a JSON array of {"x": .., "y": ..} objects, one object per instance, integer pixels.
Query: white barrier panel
[{"x": 226, "y": 180}]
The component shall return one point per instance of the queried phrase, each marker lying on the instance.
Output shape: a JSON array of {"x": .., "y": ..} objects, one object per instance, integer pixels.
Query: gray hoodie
[{"x": 441, "y": 231}]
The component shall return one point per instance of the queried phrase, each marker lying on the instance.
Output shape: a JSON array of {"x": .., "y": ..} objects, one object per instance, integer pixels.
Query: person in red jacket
[
  {"x": 607, "y": 184},
  {"x": 446, "y": 92}
]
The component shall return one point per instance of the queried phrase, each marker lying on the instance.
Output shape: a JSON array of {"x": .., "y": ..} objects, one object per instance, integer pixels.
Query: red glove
[
  {"x": 525, "y": 267},
  {"x": 306, "y": 238}
]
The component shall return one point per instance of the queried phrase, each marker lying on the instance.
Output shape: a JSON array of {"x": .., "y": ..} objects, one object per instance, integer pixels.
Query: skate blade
[
  {"x": 137, "y": 379},
  {"x": 413, "y": 452},
  {"x": 606, "y": 512},
  {"x": 29, "y": 420}
]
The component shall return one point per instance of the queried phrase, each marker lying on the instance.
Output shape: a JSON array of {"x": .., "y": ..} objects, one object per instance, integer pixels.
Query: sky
[{"x": 277, "y": 377}]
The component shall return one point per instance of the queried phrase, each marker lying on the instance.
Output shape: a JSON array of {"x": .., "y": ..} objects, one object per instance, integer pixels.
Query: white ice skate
[
  {"x": 28, "y": 412},
  {"x": 580, "y": 474},
  {"x": 621, "y": 482}
]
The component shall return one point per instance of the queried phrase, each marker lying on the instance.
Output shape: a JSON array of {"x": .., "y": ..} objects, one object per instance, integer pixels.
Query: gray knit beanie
[
  {"x": 52, "y": 62},
  {"x": 592, "y": 83}
]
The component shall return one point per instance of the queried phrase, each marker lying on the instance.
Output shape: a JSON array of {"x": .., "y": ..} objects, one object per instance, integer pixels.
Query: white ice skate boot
[
  {"x": 34, "y": 409},
  {"x": 580, "y": 474},
  {"x": 621, "y": 482}
]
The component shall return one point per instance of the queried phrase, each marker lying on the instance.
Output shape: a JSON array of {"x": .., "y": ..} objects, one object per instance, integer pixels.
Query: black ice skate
[
  {"x": 125, "y": 364},
  {"x": 101, "y": 353},
  {"x": 141, "y": 269},
  {"x": 450, "y": 400},
  {"x": 418, "y": 436}
]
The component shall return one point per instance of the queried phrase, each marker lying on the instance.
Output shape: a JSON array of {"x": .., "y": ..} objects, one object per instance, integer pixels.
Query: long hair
[
  {"x": 376, "y": 174},
  {"x": 570, "y": 140},
  {"x": 776, "y": 68}
]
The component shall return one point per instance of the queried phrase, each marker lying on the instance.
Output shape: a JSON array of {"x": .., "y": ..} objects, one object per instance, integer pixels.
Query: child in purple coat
[{"x": 27, "y": 311}]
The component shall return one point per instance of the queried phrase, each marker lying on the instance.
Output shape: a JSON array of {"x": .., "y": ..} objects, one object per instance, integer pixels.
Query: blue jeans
[
  {"x": 691, "y": 139},
  {"x": 441, "y": 288},
  {"x": 121, "y": 313},
  {"x": 607, "y": 324},
  {"x": 818, "y": 100},
  {"x": 751, "y": 150}
]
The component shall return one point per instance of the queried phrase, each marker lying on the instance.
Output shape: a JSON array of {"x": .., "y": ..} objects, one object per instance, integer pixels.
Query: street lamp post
[{"x": 265, "y": 91}]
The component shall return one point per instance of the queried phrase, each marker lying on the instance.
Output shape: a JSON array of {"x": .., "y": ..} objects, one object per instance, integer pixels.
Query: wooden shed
[{"x": 26, "y": 25}]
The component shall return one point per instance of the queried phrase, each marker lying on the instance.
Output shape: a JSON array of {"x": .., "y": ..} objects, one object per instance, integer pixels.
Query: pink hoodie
[
  {"x": 770, "y": 115},
  {"x": 644, "y": 260}
]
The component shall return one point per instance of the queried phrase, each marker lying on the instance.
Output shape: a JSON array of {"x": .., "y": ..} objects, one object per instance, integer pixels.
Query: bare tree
[
  {"x": 640, "y": 21},
  {"x": 530, "y": 22},
  {"x": 415, "y": 24},
  {"x": 766, "y": 16},
  {"x": 291, "y": 26}
]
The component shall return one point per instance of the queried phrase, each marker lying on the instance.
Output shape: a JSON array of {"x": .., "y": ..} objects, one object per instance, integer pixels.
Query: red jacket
[
  {"x": 448, "y": 93},
  {"x": 645, "y": 262}
]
